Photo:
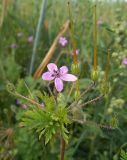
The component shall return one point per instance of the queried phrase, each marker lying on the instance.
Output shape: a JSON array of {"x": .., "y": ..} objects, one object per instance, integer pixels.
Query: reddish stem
[{"x": 62, "y": 148}]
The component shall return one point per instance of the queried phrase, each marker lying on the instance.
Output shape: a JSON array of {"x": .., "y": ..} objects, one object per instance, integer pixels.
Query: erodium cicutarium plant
[{"x": 51, "y": 112}]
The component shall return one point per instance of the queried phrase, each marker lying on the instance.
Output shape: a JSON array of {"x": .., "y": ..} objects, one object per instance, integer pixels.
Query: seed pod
[
  {"x": 104, "y": 87},
  {"x": 94, "y": 75},
  {"x": 75, "y": 69}
]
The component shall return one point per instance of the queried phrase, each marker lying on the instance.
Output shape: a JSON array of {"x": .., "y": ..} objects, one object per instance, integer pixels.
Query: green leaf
[
  {"x": 47, "y": 100},
  {"x": 47, "y": 123},
  {"x": 123, "y": 155}
]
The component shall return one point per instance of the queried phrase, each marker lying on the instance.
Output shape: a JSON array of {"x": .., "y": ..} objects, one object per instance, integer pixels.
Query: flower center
[{"x": 56, "y": 74}]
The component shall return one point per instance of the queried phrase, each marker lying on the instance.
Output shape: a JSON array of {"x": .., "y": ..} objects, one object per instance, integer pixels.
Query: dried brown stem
[{"x": 51, "y": 51}]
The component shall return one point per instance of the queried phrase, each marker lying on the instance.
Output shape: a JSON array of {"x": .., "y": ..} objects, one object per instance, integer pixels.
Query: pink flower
[
  {"x": 30, "y": 39},
  {"x": 58, "y": 75},
  {"x": 125, "y": 61},
  {"x": 63, "y": 41}
]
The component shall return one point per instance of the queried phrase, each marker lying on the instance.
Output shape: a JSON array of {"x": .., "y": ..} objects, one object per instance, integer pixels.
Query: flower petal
[
  {"x": 51, "y": 67},
  {"x": 59, "y": 84},
  {"x": 69, "y": 77},
  {"x": 47, "y": 76},
  {"x": 63, "y": 70}
]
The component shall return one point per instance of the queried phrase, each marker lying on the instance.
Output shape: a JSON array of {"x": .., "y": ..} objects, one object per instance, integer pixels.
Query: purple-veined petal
[
  {"x": 58, "y": 84},
  {"x": 63, "y": 70},
  {"x": 47, "y": 76},
  {"x": 69, "y": 77},
  {"x": 51, "y": 67}
]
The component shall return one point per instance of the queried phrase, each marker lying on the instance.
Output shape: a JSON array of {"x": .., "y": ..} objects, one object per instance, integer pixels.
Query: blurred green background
[{"x": 18, "y": 32}]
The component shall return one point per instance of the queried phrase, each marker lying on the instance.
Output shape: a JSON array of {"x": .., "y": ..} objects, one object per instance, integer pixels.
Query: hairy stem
[
  {"x": 92, "y": 101},
  {"x": 50, "y": 91}
]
